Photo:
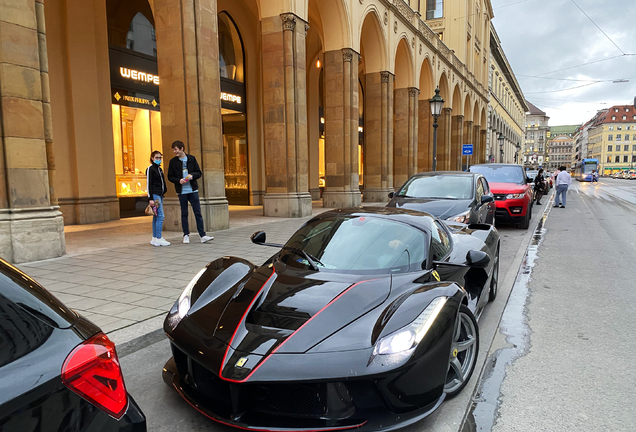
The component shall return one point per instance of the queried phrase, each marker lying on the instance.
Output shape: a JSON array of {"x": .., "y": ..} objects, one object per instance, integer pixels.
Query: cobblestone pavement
[{"x": 114, "y": 277}]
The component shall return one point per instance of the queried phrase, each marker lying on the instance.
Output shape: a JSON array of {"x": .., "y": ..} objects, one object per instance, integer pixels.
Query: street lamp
[
  {"x": 436, "y": 109},
  {"x": 517, "y": 153},
  {"x": 501, "y": 143}
]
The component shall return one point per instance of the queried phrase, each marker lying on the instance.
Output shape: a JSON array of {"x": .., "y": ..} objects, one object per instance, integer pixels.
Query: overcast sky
[{"x": 542, "y": 37}]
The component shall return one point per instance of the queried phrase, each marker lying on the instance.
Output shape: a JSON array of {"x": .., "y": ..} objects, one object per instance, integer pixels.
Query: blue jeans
[
  {"x": 193, "y": 198},
  {"x": 561, "y": 190},
  {"x": 157, "y": 221}
]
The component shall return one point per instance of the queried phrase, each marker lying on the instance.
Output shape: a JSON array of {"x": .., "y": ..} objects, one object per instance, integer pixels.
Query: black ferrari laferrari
[{"x": 365, "y": 318}]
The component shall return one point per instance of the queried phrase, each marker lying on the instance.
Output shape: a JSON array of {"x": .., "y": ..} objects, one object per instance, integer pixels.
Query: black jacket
[
  {"x": 154, "y": 180},
  {"x": 175, "y": 172}
]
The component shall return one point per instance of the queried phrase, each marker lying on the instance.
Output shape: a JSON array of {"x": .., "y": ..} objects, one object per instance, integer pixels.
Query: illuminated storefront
[
  {"x": 136, "y": 124},
  {"x": 235, "y": 147}
]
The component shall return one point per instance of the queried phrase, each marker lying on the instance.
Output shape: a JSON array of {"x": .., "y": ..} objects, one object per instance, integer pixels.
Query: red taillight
[{"x": 92, "y": 371}]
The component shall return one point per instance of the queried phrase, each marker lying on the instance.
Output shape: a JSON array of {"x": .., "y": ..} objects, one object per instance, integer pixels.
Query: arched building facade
[{"x": 281, "y": 101}]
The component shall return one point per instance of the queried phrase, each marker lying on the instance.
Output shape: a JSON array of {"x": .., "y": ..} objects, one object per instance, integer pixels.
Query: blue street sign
[{"x": 467, "y": 149}]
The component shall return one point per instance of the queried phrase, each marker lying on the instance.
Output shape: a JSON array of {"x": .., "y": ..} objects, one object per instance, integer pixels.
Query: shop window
[
  {"x": 230, "y": 50},
  {"x": 142, "y": 39},
  {"x": 235, "y": 158},
  {"x": 136, "y": 133}
]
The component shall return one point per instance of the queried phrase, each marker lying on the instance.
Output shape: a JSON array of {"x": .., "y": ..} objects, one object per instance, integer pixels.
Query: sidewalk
[{"x": 114, "y": 277}]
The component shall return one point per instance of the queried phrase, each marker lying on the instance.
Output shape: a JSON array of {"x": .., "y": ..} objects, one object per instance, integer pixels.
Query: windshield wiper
[{"x": 310, "y": 258}]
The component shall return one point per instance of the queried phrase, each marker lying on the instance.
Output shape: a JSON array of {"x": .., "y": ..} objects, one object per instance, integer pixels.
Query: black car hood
[
  {"x": 277, "y": 309},
  {"x": 442, "y": 208}
]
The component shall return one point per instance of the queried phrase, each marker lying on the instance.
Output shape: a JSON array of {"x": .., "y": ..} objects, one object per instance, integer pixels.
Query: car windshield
[
  {"x": 439, "y": 186},
  {"x": 357, "y": 244},
  {"x": 500, "y": 173},
  {"x": 531, "y": 174}
]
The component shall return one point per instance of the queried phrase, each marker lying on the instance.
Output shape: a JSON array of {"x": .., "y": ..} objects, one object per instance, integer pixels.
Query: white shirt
[{"x": 564, "y": 178}]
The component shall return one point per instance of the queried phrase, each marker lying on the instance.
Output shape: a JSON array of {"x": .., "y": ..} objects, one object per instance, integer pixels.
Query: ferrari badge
[
  {"x": 436, "y": 275},
  {"x": 241, "y": 362}
]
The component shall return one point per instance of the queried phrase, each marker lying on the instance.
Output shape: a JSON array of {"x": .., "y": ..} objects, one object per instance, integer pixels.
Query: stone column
[
  {"x": 468, "y": 139},
  {"x": 378, "y": 130},
  {"x": 341, "y": 129},
  {"x": 413, "y": 129},
  {"x": 484, "y": 137},
  {"x": 444, "y": 140},
  {"x": 479, "y": 147},
  {"x": 457, "y": 139},
  {"x": 31, "y": 228},
  {"x": 425, "y": 137},
  {"x": 285, "y": 117},
  {"x": 188, "y": 62},
  {"x": 401, "y": 138}
]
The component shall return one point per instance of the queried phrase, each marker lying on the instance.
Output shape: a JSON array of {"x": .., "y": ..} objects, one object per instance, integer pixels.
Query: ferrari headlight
[
  {"x": 408, "y": 337},
  {"x": 184, "y": 298},
  {"x": 462, "y": 217},
  {"x": 515, "y": 196}
]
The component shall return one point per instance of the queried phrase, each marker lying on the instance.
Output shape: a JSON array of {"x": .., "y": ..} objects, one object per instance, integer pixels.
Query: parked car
[
  {"x": 625, "y": 174},
  {"x": 362, "y": 314},
  {"x": 512, "y": 191},
  {"x": 631, "y": 174},
  {"x": 616, "y": 175},
  {"x": 58, "y": 371},
  {"x": 454, "y": 196}
]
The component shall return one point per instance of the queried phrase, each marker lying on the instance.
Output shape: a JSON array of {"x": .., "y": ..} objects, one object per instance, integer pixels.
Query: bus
[{"x": 584, "y": 168}]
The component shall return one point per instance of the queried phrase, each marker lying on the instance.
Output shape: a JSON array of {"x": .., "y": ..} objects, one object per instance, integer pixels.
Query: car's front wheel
[
  {"x": 494, "y": 280},
  {"x": 526, "y": 221},
  {"x": 463, "y": 355}
]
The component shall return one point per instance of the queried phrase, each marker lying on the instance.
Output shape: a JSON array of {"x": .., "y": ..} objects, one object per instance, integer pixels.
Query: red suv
[{"x": 512, "y": 191}]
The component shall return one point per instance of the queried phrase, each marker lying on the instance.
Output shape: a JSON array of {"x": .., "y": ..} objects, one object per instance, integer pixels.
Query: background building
[
  {"x": 613, "y": 139},
  {"x": 559, "y": 152},
  {"x": 507, "y": 110},
  {"x": 274, "y": 98},
  {"x": 535, "y": 152}
]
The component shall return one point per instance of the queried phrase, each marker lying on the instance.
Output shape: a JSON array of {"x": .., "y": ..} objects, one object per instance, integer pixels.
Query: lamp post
[
  {"x": 436, "y": 109},
  {"x": 501, "y": 140},
  {"x": 517, "y": 153}
]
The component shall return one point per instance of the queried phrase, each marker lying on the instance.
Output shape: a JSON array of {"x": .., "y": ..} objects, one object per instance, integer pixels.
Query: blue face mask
[{"x": 158, "y": 162}]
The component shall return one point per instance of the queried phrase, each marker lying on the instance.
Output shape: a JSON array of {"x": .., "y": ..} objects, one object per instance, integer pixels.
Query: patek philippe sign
[
  {"x": 133, "y": 71},
  {"x": 132, "y": 99}
]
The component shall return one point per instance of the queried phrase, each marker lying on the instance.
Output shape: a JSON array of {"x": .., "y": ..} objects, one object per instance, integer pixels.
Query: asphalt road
[
  {"x": 566, "y": 335},
  {"x": 166, "y": 411}
]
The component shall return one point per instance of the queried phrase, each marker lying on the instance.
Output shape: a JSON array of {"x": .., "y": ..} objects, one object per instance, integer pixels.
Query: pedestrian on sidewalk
[
  {"x": 184, "y": 171},
  {"x": 156, "y": 190},
  {"x": 563, "y": 181},
  {"x": 539, "y": 186}
]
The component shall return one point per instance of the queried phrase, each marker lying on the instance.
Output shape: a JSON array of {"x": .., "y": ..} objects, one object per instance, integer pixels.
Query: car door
[{"x": 486, "y": 211}]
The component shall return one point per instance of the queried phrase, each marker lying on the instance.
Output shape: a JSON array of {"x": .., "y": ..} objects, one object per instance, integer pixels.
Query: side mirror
[
  {"x": 258, "y": 237},
  {"x": 477, "y": 259},
  {"x": 487, "y": 198},
  {"x": 391, "y": 194}
]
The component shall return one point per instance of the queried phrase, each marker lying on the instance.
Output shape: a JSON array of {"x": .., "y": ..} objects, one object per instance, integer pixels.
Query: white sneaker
[
  {"x": 206, "y": 239},
  {"x": 162, "y": 242},
  {"x": 186, "y": 239},
  {"x": 154, "y": 241}
]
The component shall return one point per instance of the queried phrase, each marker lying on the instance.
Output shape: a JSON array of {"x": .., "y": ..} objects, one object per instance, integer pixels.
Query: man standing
[
  {"x": 563, "y": 181},
  {"x": 184, "y": 171}
]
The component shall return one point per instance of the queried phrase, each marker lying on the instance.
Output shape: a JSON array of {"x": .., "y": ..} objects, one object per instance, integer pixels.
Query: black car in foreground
[
  {"x": 58, "y": 371},
  {"x": 364, "y": 319},
  {"x": 452, "y": 195}
]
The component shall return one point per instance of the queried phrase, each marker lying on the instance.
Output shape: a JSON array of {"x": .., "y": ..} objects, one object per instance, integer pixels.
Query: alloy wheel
[
  {"x": 463, "y": 355},
  {"x": 494, "y": 281}
]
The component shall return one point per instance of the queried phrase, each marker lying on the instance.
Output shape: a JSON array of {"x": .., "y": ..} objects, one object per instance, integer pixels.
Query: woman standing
[
  {"x": 156, "y": 190},
  {"x": 539, "y": 186}
]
